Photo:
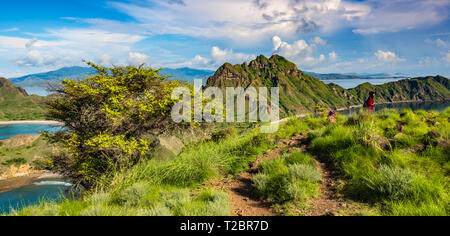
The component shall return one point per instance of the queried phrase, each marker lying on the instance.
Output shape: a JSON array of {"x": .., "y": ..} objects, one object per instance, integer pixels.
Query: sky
[{"x": 411, "y": 37}]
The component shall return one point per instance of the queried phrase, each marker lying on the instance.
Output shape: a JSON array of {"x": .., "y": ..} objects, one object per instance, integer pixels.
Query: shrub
[
  {"x": 394, "y": 184},
  {"x": 132, "y": 195},
  {"x": 286, "y": 179},
  {"x": 223, "y": 134},
  {"x": 305, "y": 172},
  {"x": 333, "y": 139},
  {"x": 15, "y": 161},
  {"x": 298, "y": 158},
  {"x": 109, "y": 116}
]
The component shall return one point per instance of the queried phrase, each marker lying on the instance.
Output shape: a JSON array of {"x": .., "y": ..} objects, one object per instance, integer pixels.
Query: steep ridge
[{"x": 300, "y": 92}]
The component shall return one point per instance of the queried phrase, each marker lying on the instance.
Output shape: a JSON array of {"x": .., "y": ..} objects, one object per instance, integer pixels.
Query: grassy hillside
[
  {"x": 16, "y": 104},
  {"x": 392, "y": 163},
  {"x": 300, "y": 92},
  {"x": 23, "y": 149}
]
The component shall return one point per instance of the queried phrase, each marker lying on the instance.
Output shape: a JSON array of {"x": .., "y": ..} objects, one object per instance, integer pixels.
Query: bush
[
  {"x": 15, "y": 161},
  {"x": 109, "y": 117},
  {"x": 305, "y": 172},
  {"x": 394, "y": 184},
  {"x": 298, "y": 158},
  {"x": 289, "y": 178},
  {"x": 223, "y": 134}
]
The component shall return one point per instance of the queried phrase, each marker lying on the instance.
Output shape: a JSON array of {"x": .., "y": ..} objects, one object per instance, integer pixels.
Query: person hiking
[
  {"x": 370, "y": 103},
  {"x": 332, "y": 116}
]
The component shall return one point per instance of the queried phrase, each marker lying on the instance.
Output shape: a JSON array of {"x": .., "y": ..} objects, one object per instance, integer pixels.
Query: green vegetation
[
  {"x": 291, "y": 177},
  {"x": 14, "y": 161},
  {"x": 24, "y": 149},
  {"x": 300, "y": 93},
  {"x": 111, "y": 117},
  {"x": 15, "y": 104},
  {"x": 394, "y": 162},
  {"x": 374, "y": 169},
  {"x": 379, "y": 167},
  {"x": 163, "y": 183}
]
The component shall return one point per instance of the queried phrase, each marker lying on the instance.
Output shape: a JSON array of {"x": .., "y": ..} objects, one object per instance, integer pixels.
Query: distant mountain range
[
  {"x": 76, "y": 72},
  {"x": 335, "y": 76}
]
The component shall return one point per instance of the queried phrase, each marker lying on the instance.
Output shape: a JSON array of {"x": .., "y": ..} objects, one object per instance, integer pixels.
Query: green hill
[
  {"x": 16, "y": 104},
  {"x": 300, "y": 92}
]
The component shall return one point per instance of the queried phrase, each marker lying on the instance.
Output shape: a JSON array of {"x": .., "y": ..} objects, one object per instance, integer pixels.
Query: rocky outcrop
[{"x": 7, "y": 85}]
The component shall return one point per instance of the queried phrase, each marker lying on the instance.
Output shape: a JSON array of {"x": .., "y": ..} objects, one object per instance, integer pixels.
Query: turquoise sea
[
  {"x": 48, "y": 190},
  {"x": 8, "y": 131}
]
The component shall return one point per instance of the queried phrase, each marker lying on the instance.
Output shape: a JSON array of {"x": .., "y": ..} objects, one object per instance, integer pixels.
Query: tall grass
[
  {"x": 291, "y": 177},
  {"x": 391, "y": 158}
]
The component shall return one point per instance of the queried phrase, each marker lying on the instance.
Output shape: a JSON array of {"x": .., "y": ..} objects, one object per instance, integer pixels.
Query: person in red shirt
[{"x": 370, "y": 104}]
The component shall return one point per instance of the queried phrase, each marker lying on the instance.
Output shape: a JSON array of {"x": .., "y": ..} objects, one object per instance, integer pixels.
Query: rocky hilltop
[
  {"x": 300, "y": 92},
  {"x": 7, "y": 87}
]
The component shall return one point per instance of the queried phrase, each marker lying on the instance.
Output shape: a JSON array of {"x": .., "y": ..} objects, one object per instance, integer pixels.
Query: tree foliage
[{"x": 111, "y": 118}]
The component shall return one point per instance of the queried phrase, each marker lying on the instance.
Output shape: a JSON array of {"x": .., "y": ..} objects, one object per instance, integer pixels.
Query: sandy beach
[
  {"x": 31, "y": 122},
  {"x": 9, "y": 184}
]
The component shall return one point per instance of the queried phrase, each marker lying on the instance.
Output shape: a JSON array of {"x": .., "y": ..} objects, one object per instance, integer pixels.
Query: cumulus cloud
[
  {"x": 333, "y": 56},
  {"x": 67, "y": 47},
  {"x": 388, "y": 56},
  {"x": 220, "y": 56},
  {"x": 35, "y": 59},
  {"x": 136, "y": 59},
  {"x": 299, "y": 51},
  {"x": 319, "y": 41},
  {"x": 447, "y": 57},
  {"x": 107, "y": 60}
]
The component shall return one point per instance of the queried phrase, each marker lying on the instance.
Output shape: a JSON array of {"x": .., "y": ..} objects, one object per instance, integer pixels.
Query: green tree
[{"x": 111, "y": 118}]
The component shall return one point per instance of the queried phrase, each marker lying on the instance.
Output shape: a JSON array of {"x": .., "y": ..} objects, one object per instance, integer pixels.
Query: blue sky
[{"x": 344, "y": 36}]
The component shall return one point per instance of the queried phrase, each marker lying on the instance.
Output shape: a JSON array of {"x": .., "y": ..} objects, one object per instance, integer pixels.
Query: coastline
[
  {"x": 16, "y": 182},
  {"x": 32, "y": 122},
  {"x": 393, "y": 102}
]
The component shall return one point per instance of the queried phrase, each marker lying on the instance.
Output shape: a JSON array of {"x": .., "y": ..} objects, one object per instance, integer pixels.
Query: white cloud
[
  {"x": 388, "y": 56},
  {"x": 107, "y": 60},
  {"x": 11, "y": 43},
  {"x": 437, "y": 42},
  {"x": 220, "y": 56},
  {"x": 319, "y": 41},
  {"x": 333, "y": 56},
  {"x": 35, "y": 59},
  {"x": 136, "y": 59},
  {"x": 299, "y": 52},
  {"x": 447, "y": 57},
  {"x": 67, "y": 47},
  {"x": 199, "y": 61},
  {"x": 247, "y": 22},
  {"x": 394, "y": 16},
  {"x": 243, "y": 22},
  {"x": 10, "y": 29}
]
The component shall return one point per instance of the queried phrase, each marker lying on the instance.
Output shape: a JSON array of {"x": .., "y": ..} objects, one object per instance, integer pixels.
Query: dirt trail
[
  {"x": 244, "y": 200},
  {"x": 329, "y": 203}
]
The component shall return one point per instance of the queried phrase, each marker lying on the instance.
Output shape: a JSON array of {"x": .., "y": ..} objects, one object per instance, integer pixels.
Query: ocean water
[
  {"x": 8, "y": 131},
  {"x": 352, "y": 83},
  {"x": 427, "y": 106},
  {"x": 45, "y": 190}
]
